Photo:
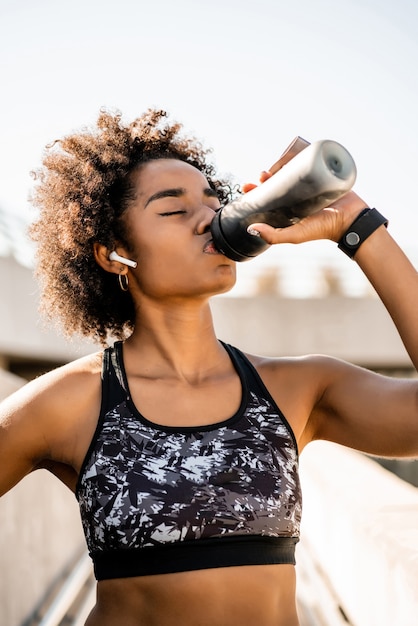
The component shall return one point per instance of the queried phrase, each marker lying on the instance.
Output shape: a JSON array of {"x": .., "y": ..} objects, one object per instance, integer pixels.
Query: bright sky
[{"x": 245, "y": 77}]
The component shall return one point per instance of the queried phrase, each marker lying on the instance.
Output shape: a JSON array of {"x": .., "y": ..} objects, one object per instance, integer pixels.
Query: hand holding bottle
[{"x": 295, "y": 187}]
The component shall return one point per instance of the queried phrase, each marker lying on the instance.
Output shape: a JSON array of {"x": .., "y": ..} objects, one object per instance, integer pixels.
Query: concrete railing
[
  {"x": 360, "y": 533},
  {"x": 40, "y": 540},
  {"x": 355, "y": 329},
  {"x": 348, "y": 328},
  {"x": 22, "y": 333}
]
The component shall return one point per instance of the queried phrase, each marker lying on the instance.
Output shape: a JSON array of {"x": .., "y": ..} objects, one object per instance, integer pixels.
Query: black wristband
[{"x": 363, "y": 226}]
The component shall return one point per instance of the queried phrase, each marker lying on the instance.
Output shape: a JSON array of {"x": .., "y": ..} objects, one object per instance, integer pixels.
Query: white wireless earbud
[{"x": 114, "y": 256}]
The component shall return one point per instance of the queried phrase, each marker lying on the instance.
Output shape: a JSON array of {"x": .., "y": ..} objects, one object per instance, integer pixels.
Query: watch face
[
  {"x": 362, "y": 227},
  {"x": 352, "y": 239}
]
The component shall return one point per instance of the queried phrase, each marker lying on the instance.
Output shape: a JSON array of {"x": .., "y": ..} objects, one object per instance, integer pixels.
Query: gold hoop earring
[{"x": 123, "y": 282}]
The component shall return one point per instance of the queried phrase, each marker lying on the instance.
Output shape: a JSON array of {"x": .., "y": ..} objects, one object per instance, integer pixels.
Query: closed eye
[{"x": 166, "y": 213}]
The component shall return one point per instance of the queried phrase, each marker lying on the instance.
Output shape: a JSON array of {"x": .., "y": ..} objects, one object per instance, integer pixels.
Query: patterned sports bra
[{"x": 158, "y": 499}]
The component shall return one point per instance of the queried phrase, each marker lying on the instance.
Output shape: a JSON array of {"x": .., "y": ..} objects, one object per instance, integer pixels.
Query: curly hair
[{"x": 82, "y": 191}]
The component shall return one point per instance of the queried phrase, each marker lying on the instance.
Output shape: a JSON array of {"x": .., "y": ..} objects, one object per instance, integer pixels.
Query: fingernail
[{"x": 253, "y": 231}]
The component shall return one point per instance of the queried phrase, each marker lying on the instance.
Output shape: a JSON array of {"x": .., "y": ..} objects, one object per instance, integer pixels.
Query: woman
[{"x": 181, "y": 450}]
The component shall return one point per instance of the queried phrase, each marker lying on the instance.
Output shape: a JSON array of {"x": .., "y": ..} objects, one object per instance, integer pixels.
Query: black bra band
[{"x": 203, "y": 554}]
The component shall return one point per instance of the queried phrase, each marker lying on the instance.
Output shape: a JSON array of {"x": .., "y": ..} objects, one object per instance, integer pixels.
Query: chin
[{"x": 227, "y": 286}]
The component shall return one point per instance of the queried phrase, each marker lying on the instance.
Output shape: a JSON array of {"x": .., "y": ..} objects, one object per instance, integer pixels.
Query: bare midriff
[{"x": 232, "y": 596}]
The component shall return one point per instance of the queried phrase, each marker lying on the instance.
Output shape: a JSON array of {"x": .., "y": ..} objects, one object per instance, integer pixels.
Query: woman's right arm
[
  {"x": 46, "y": 422},
  {"x": 23, "y": 444}
]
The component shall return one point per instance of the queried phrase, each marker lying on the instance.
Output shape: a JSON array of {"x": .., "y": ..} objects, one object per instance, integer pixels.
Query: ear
[{"x": 101, "y": 255}]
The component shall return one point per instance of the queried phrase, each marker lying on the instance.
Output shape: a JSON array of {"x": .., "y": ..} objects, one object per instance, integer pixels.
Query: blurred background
[{"x": 245, "y": 78}]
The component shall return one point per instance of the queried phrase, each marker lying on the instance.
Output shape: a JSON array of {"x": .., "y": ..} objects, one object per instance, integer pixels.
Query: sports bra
[{"x": 158, "y": 499}]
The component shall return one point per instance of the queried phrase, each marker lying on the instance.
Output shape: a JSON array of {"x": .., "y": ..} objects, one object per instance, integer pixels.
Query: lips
[{"x": 209, "y": 248}]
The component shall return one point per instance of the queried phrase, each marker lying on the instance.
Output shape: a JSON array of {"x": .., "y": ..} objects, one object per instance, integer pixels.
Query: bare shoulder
[
  {"x": 311, "y": 376},
  {"x": 297, "y": 385},
  {"x": 318, "y": 366},
  {"x": 56, "y": 384},
  {"x": 330, "y": 399},
  {"x": 50, "y": 419}
]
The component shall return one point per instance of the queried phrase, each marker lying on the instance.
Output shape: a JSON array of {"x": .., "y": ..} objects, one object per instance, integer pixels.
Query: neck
[{"x": 176, "y": 340}]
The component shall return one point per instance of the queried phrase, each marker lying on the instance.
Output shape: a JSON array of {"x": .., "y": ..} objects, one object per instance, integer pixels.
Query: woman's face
[{"x": 169, "y": 228}]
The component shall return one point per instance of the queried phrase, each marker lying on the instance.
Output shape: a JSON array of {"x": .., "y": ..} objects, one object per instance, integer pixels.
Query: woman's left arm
[
  {"x": 396, "y": 282},
  {"x": 358, "y": 408}
]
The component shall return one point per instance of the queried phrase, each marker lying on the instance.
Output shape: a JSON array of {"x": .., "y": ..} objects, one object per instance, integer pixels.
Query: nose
[{"x": 205, "y": 217}]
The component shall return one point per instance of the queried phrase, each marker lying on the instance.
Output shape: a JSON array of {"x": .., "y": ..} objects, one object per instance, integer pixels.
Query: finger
[
  {"x": 308, "y": 229},
  {"x": 265, "y": 175},
  {"x": 268, "y": 233},
  {"x": 248, "y": 187}
]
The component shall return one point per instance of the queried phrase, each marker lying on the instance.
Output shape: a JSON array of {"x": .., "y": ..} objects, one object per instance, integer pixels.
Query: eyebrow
[{"x": 177, "y": 192}]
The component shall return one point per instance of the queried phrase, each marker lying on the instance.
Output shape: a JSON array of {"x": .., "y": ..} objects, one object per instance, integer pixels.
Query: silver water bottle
[{"x": 306, "y": 179}]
